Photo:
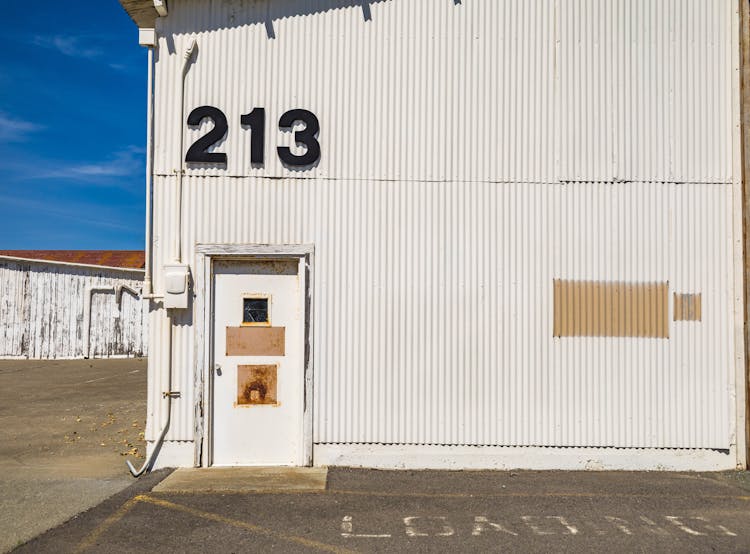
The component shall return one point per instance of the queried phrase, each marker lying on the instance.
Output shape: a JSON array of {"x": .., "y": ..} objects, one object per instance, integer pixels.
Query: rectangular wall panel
[
  {"x": 645, "y": 90},
  {"x": 255, "y": 341},
  {"x": 618, "y": 309},
  {"x": 434, "y": 307},
  {"x": 623, "y": 90},
  {"x": 687, "y": 307}
]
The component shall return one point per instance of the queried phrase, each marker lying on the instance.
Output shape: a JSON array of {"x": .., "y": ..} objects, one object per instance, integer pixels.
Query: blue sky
[{"x": 72, "y": 126}]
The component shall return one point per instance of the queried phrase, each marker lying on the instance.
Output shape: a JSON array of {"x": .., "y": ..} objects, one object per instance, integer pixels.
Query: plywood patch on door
[
  {"x": 610, "y": 309},
  {"x": 256, "y": 385},
  {"x": 687, "y": 307},
  {"x": 255, "y": 341}
]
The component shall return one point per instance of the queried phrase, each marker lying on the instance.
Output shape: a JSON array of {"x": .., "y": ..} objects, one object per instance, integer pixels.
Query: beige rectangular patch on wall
[
  {"x": 255, "y": 341},
  {"x": 687, "y": 307},
  {"x": 610, "y": 309}
]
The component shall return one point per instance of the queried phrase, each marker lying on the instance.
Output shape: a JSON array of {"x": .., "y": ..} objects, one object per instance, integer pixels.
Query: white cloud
[
  {"x": 122, "y": 164},
  {"x": 15, "y": 130},
  {"x": 90, "y": 47},
  {"x": 74, "y": 47},
  {"x": 122, "y": 169}
]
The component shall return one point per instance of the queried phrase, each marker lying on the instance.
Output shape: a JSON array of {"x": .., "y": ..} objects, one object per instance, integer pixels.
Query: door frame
[{"x": 205, "y": 255}]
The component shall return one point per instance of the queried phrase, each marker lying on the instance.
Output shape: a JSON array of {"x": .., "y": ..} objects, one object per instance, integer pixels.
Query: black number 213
[
  {"x": 306, "y": 137},
  {"x": 256, "y": 122},
  {"x": 198, "y": 152}
]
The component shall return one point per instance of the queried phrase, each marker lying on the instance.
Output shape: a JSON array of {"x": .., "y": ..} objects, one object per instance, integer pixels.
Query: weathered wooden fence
[{"x": 54, "y": 310}]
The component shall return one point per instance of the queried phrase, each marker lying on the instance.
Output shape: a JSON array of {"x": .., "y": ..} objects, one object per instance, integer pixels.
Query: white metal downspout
[
  {"x": 147, "y": 280},
  {"x": 150, "y": 41},
  {"x": 168, "y": 395},
  {"x": 147, "y": 38}
]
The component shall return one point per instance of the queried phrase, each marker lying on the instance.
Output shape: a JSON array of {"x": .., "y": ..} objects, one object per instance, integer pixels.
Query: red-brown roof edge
[{"x": 131, "y": 259}]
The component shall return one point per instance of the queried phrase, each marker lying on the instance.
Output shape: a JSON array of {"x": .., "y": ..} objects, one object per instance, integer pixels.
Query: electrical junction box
[
  {"x": 176, "y": 280},
  {"x": 147, "y": 37}
]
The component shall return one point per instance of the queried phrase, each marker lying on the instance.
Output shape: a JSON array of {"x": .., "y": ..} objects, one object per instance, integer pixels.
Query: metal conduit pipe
[
  {"x": 149, "y": 463},
  {"x": 118, "y": 293},
  {"x": 88, "y": 299},
  {"x": 177, "y": 244},
  {"x": 161, "y": 7}
]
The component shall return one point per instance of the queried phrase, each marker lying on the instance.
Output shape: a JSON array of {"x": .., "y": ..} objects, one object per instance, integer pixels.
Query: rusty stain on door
[{"x": 256, "y": 385}]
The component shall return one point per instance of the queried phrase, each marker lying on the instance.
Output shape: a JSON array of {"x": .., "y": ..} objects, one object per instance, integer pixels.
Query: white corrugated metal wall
[
  {"x": 42, "y": 309},
  {"x": 473, "y": 152}
]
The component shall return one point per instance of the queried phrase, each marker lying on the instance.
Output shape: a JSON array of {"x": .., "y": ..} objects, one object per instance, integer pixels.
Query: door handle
[{"x": 217, "y": 368}]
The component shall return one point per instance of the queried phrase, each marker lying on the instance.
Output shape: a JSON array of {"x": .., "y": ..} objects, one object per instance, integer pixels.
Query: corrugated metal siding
[
  {"x": 452, "y": 191},
  {"x": 42, "y": 312},
  {"x": 434, "y": 307},
  {"x": 423, "y": 91},
  {"x": 645, "y": 90},
  {"x": 631, "y": 90}
]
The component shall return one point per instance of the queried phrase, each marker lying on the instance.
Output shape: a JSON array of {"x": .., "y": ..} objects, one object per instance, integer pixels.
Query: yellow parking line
[
  {"x": 243, "y": 525},
  {"x": 91, "y": 539}
]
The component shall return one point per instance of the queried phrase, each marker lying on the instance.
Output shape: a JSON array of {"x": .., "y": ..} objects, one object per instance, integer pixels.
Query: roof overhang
[{"x": 144, "y": 12}]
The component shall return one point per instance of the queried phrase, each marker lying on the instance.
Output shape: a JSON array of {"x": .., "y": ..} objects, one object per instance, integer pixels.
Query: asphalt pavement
[
  {"x": 66, "y": 428},
  {"x": 423, "y": 511}
]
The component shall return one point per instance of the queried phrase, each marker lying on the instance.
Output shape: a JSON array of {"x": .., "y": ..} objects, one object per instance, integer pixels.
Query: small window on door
[{"x": 255, "y": 311}]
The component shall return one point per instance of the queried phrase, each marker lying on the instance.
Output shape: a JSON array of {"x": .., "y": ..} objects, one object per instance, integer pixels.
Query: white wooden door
[{"x": 258, "y": 378}]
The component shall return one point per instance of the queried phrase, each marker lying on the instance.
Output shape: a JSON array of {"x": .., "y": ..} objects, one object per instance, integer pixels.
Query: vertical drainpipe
[
  {"x": 150, "y": 40},
  {"x": 147, "y": 37}
]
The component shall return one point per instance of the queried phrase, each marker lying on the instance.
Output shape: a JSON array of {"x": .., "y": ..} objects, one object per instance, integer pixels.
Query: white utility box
[{"x": 176, "y": 280}]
